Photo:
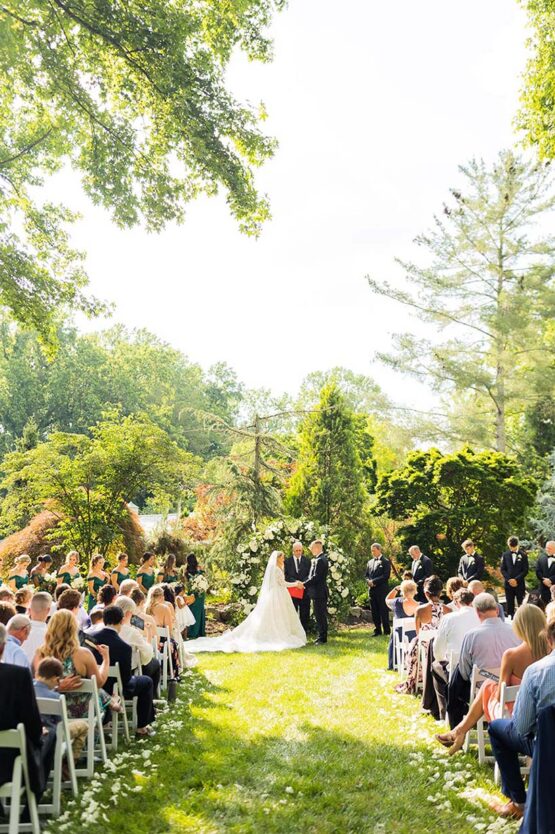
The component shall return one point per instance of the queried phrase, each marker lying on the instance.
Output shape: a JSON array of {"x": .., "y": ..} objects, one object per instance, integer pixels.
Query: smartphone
[{"x": 137, "y": 622}]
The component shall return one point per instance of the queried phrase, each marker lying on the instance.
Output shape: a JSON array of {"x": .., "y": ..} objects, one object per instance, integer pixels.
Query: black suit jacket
[
  {"x": 543, "y": 571},
  {"x": 290, "y": 569},
  {"x": 471, "y": 570},
  {"x": 18, "y": 705},
  {"x": 317, "y": 587},
  {"x": 120, "y": 652},
  {"x": 517, "y": 571},
  {"x": 421, "y": 569},
  {"x": 378, "y": 570}
]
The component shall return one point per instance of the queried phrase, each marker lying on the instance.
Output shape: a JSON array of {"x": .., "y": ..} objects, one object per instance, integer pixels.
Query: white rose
[
  {"x": 335, "y": 575},
  {"x": 252, "y": 590},
  {"x": 332, "y": 610},
  {"x": 345, "y": 593},
  {"x": 253, "y": 545},
  {"x": 235, "y": 581}
]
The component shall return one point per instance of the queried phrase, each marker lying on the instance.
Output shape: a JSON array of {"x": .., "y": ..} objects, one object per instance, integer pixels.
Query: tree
[
  {"x": 489, "y": 287},
  {"x": 132, "y": 96},
  {"x": 444, "y": 499},
  {"x": 87, "y": 481},
  {"x": 328, "y": 483},
  {"x": 544, "y": 523},
  {"x": 536, "y": 115}
]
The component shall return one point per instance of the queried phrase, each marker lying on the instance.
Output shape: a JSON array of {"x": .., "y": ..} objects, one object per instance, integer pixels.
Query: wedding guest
[
  {"x": 40, "y": 570},
  {"x": 120, "y": 572},
  {"x": 137, "y": 640},
  {"x": 164, "y": 616},
  {"x": 515, "y": 736},
  {"x": 70, "y": 600},
  {"x": 96, "y": 579},
  {"x": 18, "y": 630},
  {"x": 401, "y": 601},
  {"x": 377, "y": 574},
  {"x": 421, "y": 569},
  {"x": 18, "y": 705},
  {"x": 133, "y": 685},
  {"x": 168, "y": 571},
  {"x": 39, "y": 611},
  {"x": 297, "y": 568},
  {"x": 529, "y": 625},
  {"x": 97, "y": 621},
  {"x": 146, "y": 575},
  {"x": 7, "y": 611},
  {"x": 453, "y": 584},
  {"x": 545, "y": 571},
  {"x": 514, "y": 567},
  {"x": 471, "y": 565},
  {"x": 149, "y": 622},
  {"x": 7, "y": 595},
  {"x": 451, "y": 633},
  {"x": 482, "y": 647},
  {"x": 106, "y": 595},
  {"x": 478, "y": 587},
  {"x": 19, "y": 576},
  {"x": 59, "y": 590},
  {"x": 198, "y": 628},
  {"x": 127, "y": 587},
  {"x": 48, "y": 675},
  {"x": 69, "y": 570},
  {"x": 23, "y": 599},
  {"x": 550, "y": 609}
]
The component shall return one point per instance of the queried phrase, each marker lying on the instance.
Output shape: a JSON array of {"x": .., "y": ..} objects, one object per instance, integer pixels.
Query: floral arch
[{"x": 253, "y": 555}]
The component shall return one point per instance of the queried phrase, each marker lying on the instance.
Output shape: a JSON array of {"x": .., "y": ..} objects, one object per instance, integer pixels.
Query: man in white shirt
[
  {"x": 451, "y": 633},
  {"x": 134, "y": 637},
  {"x": 39, "y": 611}
]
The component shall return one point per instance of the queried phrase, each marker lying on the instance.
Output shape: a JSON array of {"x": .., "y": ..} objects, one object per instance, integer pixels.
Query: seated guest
[
  {"x": 453, "y": 584},
  {"x": 39, "y": 612},
  {"x": 133, "y": 685},
  {"x": 96, "y": 618},
  {"x": 149, "y": 622},
  {"x": 137, "y": 640},
  {"x": 48, "y": 675},
  {"x": 23, "y": 599},
  {"x": 451, "y": 633},
  {"x": 18, "y": 705},
  {"x": 478, "y": 587},
  {"x": 511, "y": 737},
  {"x": 7, "y": 595},
  {"x": 18, "y": 628},
  {"x": 70, "y": 600},
  {"x": 106, "y": 595},
  {"x": 7, "y": 611},
  {"x": 127, "y": 586},
  {"x": 529, "y": 624},
  {"x": 164, "y": 615},
  {"x": 427, "y": 618},
  {"x": 482, "y": 647},
  {"x": 401, "y": 600}
]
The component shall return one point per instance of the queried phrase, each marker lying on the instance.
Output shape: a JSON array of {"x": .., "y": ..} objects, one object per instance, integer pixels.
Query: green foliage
[
  {"x": 132, "y": 96},
  {"x": 536, "y": 115},
  {"x": 87, "y": 480},
  {"x": 487, "y": 288},
  {"x": 444, "y": 499},
  {"x": 328, "y": 485},
  {"x": 544, "y": 522}
]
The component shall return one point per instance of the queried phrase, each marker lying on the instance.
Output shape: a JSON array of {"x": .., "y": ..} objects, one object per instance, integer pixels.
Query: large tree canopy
[{"x": 132, "y": 95}]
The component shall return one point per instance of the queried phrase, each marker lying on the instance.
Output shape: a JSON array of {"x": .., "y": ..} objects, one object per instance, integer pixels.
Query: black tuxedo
[
  {"x": 471, "y": 567},
  {"x": 18, "y": 705},
  {"x": 133, "y": 685},
  {"x": 317, "y": 589},
  {"x": 378, "y": 571},
  {"x": 544, "y": 571},
  {"x": 518, "y": 571},
  {"x": 300, "y": 575},
  {"x": 421, "y": 569}
]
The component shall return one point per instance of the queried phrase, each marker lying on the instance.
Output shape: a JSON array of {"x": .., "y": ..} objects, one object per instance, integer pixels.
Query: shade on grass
[{"x": 311, "y": 741}]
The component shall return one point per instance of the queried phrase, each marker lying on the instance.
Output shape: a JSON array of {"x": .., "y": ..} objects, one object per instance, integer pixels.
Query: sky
[{"x": 374, "y": 106}]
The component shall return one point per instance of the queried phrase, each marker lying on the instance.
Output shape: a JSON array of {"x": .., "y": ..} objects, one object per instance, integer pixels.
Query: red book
[{"x": 298, "y": 593}]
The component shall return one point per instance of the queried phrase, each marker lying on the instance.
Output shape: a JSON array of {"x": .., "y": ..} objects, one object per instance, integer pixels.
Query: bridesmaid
[
  {"x": 69, "y": 570},
  {"x": 20, "y": 573},
  {"x": 198, "y": 628},
  {"x": 96, "y": 579},
  {"x": 146, "y": 575},
  {"x": 168, "y": 571},
  {"x": 120, "y": 572},
  {"x": 41, "y": 568}
]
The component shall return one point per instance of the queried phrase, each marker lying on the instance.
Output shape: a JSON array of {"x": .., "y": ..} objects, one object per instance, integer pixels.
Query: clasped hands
[{"x": 299, "y": 584}]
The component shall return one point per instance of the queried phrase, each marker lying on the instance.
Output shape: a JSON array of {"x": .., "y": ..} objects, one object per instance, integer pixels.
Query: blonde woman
[
  {"x": 401, "y": 601},
  {"x": 69, "y": 570},
  {"x": 529, "y": 624},
  {"x": 164, "y": 617},
  {"x": 20, "y": 573}
]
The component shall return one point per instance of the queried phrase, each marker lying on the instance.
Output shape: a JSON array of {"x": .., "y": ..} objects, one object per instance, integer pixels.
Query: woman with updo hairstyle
[
  {"x": 453, "y": 584},
  {"x": 96, "y": 580},
  {"x": 121, "y": 572},
  {"x": 197, "y": 607},
  {"x": 168, "y": 571},
  {"x": 40, "y": 570},
  {"x": 146, "y": 575},
  {"x": 106, "y": 595},
  {"x": 20, "y": 573},
  {"x": 70, "y": 569},
  {"x": 23, "y": 599},
  {"x": 401, "y": 600}
]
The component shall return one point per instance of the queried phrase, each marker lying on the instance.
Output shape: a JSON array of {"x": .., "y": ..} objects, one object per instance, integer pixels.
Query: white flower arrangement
[
  {"x": 199, "y": 584},
  {"x": 78, "y": 583},
  {"x": 50, "y": 577}
]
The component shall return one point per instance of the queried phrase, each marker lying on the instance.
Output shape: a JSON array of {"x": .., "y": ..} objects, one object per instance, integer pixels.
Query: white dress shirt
[
  {"x": 452, "y": 630},
  {"x": 35, "y": 639},
  {"x": 133, "y": 636}
]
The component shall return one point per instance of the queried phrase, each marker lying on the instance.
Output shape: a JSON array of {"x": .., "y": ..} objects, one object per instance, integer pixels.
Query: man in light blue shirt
[
  {"x": 484, "y": 646},
  {"x": 513, "y": 737},
  {"x": 18, "y": 628}
]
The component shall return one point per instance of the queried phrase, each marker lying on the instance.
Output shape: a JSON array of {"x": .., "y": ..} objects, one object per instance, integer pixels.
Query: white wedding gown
[{"x": 272, "y": 626}]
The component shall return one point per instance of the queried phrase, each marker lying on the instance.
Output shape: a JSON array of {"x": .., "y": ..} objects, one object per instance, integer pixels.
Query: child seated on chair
[{"x": 48, "y": 675}]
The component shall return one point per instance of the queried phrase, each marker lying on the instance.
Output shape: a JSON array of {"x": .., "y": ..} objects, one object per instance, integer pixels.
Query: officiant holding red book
[{"x": 297, "y": 568}]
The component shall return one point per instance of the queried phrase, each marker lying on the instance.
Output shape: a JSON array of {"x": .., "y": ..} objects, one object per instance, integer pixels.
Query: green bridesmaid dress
[
  {"x": 198, "y": 629},
  {"x": 120, "y": 576},
  {"x": 98, "y": 583},
  {"x": 20, "y": 581},
  {"x": 148, "y": 580},
  {"x": 67, "y": 578}
]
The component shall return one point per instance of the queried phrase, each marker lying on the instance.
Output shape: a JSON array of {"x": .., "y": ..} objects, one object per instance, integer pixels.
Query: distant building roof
[{"x": 151, "y": 522}]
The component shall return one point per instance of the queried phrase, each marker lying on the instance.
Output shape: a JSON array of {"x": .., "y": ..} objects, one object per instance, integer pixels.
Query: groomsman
[
  {"x": 297, "y": 569},
  {"x": 421, "y": 569},
  {"x": 377, "y": 576},
  {"x": 514, "y": 567},
  {"x": 317, "y": 587},
  {"x": 471, "y": 566},
  {"x": 545, "y": 570}
]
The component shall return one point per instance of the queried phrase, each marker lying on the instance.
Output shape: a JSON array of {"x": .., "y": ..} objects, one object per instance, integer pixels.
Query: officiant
[{"x": 297, "y": 568}]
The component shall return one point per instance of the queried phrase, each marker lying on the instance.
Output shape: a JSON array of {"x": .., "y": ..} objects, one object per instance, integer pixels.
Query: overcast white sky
[{"x": 374, "y": 105}]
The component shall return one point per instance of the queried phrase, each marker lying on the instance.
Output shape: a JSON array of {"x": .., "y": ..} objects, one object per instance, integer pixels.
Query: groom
[
  {"x": 297, "y": 569},
  {"x": 317, "y": 589}
]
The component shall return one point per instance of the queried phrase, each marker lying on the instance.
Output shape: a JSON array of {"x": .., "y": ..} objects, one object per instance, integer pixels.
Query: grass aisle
[{"x": 309, "y": 741}]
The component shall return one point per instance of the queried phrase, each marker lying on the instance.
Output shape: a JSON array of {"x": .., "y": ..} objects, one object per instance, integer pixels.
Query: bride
[{"x": 272, "y": 625}]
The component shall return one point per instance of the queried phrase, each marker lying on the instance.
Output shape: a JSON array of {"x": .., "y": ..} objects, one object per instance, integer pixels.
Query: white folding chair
[
  {"x": 452, "y": 661},
  {"x": 479, "y": 734},
  {"x": 508, "y": 695},
  {"x": 165, "y": 655},
  {"x": 19, "y": 787},
  {"x": 401, "y": 642},
  {"x": 94, "y": 717},
  {"x": 136, "y": 666},
  {"x": 129, "y": 703},
  {"x": 424, "y": 638},
  {"x": 58, "y": 707}
]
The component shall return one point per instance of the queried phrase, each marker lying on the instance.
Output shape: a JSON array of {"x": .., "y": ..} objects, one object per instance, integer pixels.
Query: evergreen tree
[{"x": 328, "y": 484}]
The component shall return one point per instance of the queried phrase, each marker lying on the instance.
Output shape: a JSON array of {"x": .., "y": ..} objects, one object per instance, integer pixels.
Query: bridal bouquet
[
  {"x": 50, "y": 577},
  {"x": 78, "y": 583},
  {"x": 199, "y": 584}
]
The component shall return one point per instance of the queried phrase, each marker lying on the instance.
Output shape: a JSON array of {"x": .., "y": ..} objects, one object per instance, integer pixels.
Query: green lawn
[{"x": 309, "y": 741}]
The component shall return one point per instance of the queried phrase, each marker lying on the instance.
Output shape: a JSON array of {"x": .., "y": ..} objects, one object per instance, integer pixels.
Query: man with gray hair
[
  {"x": 39, "y": 611},
  {"x": 18, "y": 628},
  {"x": 421, "y": 568},
  {"x": 545, "y": 570},
  {"x": 127, "y": 586}
]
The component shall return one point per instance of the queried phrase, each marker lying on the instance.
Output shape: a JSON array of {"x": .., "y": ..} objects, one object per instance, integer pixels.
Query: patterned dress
[{"x": 413, "y": 673}]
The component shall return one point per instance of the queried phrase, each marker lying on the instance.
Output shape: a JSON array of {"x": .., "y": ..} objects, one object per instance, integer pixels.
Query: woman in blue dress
[{"x": 401, "y": 600}]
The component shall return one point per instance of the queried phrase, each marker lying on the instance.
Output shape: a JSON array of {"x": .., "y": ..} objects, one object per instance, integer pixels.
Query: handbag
[{"x": 297, "y": 593}]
